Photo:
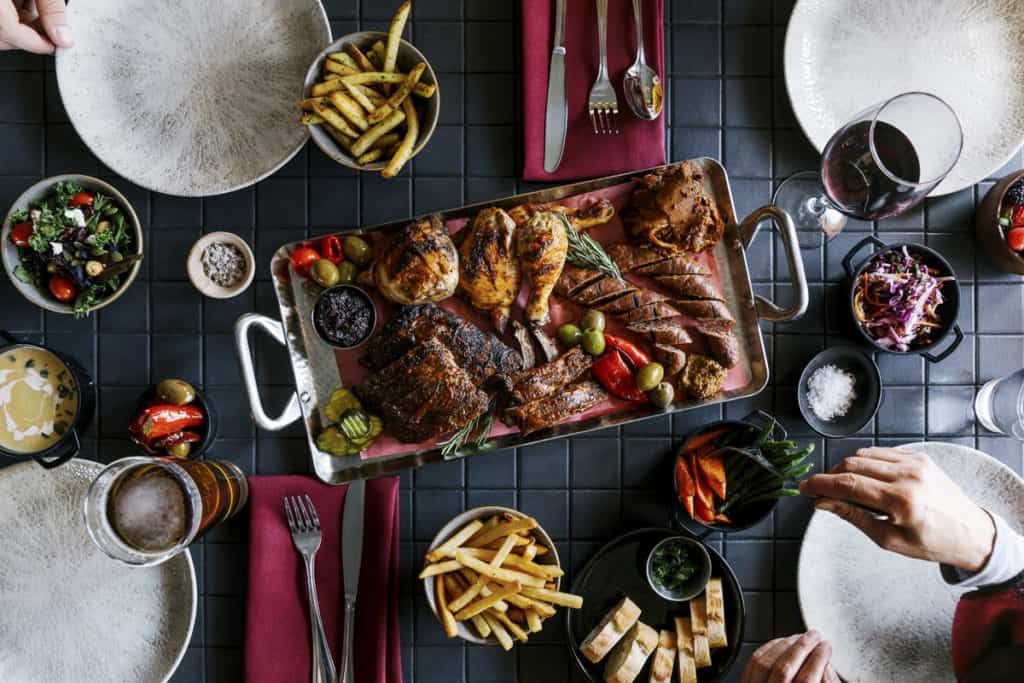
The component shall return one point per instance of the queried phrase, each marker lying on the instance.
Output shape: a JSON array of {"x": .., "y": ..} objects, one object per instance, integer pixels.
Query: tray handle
[
  {"x": 767, "y": 310},
  {"x": 291, "y": 412}
]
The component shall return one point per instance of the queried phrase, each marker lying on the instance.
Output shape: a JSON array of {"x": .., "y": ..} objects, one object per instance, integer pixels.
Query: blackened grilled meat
[
  {"x": 661, "y": 332},
  {"x": 650, "y": 261},
  {"x": 691, "y": 286},
  {"x": 708, "y": 308},
  {"x": 631, "y": 300},
  {"x": 550, "y": 410},
  {"x": 550, "y": 377},
  {"x": 673, "y": 359}
]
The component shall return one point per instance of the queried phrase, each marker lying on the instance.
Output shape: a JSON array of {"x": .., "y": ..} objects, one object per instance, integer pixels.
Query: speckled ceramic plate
[
  {"x": 888, "y": 617},
  {"x": 68, "y": 612},
  {"x": 842, "y": 57},
  {"x": 190, "y": 98}
]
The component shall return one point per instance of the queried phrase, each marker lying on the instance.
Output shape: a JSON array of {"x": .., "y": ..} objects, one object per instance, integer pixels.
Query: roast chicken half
[
  {"x": 671, "y": 210},
  {"x": 542, "y": 245},
  {"x": 489, "y": 265},
  {"x": 418, "y": 264}
]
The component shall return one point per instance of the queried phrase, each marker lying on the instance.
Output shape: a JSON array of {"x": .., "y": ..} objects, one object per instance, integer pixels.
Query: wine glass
[{"x": 883, "y": 162}]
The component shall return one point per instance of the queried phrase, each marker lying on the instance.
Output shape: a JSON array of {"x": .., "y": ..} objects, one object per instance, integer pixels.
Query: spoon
[{"x": 641, "y": 84}]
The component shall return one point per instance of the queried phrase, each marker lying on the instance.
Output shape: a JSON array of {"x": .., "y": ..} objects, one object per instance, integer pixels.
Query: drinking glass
[
  {"x": 999, "y": 405},
  {"x": 145, "y": 510},
  {"x": 883, "y": 162}
]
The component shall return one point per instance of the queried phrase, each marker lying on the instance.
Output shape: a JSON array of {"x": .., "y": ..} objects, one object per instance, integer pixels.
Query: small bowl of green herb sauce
[{"x": 678, "y": 568}]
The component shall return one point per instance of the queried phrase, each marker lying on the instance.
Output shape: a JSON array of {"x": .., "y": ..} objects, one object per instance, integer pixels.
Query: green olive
[
  {"x": 569, "y": 335},
  {"x": 176, "y": 391},
  {"x": 593, "y": 342},
  {"x": 649, "y": 376},
  {"x": 356, "y": 250},
  {"x": 312, "y": 288},
  {"x": 347, "y": 272},
  {"x": 592, "y": 320},
  {"x": 324, "y": 273},
  {"x": 179, "y": 450},
  {"x": 662, "y": 395}
]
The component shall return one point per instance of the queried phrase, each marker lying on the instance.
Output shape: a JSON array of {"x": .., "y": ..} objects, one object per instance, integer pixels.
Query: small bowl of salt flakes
[
  {"x": 220, "y": 265},
  {"x": 840, "y": 391}
]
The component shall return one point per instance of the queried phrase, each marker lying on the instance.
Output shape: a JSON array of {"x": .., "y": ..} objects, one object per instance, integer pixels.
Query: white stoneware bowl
[
  {"x": 67, "y": 611},
  {"x": 843, "y": 57},
  {"x": 197, "y": 275},
  {"x": 889, "y": 618},
  {"x": 190, "y": 98}
]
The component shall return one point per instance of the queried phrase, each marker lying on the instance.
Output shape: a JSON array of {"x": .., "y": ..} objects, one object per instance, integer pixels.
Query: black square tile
[
  {"x": 787, "y": 411},
  {"x": 543, "y": 663},
  {"x": 225, "y": 623},
  {"x": 747, "y": 12},
  {"x": 690, "y": 143},
  {"x": 695, "y": 50},
  {"x": 384, "y": 199},
  {"x": 436, "y": 194},
  {"x": 483, "y": 189},
  {"x": 225, "y": 570},
  {"x": 66, "y": 153},
  {"x": 594, "y": 463},
  {"x": 281, "y": 203},
  {"x": 760, "y": 616},
  {"x": 688, "y": 421},
  {"x": 813, "y": 260},
  {"x": 645, "y": 462},
  {"x": 490, "y": 663},
  {"x": 493, "y": 151},
  {"x": 837, "y": 450},
  {"x": 792, "y": 153},
  {"x": 748, "y": 102},
  {"x": 696, "y": 102},
  {"x": 902, "y": 411},
  {"x": 813, "y": 319},
  {"x": 836, "y": 250},
  {"x": 753, "y": 562},
  {"x": 26, "y": 104},
  {"x": 173, "y": 247},
  {"x": 551, "y": 509},
  {"x": 491, "y": 46},
  {"x": 748, "y": 152},
  {"x": 219, "y": 315},
  {"x": 748, "y": 50},
  {"x": 432, "y": 509},
  {"x": 749, "y": 194},
  {"x": 950, "y": 410},
  {"x": 952, "y": 212},
  {"x": 480, "y": 497},
  {"x": 342, "y": 9},
  {"x": 797, "y": 351},
  {"x": 495, "y": 469},
  {"x": 268, "y": 241},
  {"x": 172, "y": 212},
  {"x": 233, "y": 409},
  {"x": 117, "y": 405},
  {"x": 442, "y": 475},
  {"x": 176, "y": 307},
  {"x": 900, "y": 368},
  {"x": 443, "y": 156},
  {"x": 1000, "y": 308},
  {"x": 958, "y": 368},
  {"x": 233, "y": 211},
  {"x": 441, "y": 43},
  {"x": 688, "y": 10},
  {"x": 19, "y": 314},
  {"x": 451, "y": 87},
  {"x": 595, "y": 514},
  {"x": 281, "y": 456},
  {"x": 127, "y": 314},
  {"x": 191, "y": 667},
  {"x": 490, "y": 99},
  {"x": 544, "y": 465},
  {"x": 16, "y": 60},
  {"x": 175, "y": 356},
  {"x": 659, "y": 425},
  {"x": 123, "y": 359},
  {"x": 787, "y": 615},
  {"x": 1006, "y": 450}
]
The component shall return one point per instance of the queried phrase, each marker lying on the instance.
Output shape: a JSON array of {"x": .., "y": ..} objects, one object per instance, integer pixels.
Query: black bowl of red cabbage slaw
[{"x": 904, "y": 299}]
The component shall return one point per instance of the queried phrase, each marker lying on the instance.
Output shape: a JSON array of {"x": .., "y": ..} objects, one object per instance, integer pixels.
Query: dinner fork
[
  {"x": 304, "y": 524},
  {"x": 602, "y": 105}
]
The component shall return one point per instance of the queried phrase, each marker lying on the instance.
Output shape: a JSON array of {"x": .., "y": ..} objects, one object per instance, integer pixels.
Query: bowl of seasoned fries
[
  {"x": 492, "y": 577},
  {"x": 371, "y": 100}
]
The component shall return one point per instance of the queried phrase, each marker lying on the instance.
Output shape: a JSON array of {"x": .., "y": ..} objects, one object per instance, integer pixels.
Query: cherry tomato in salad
[
  {"x": 20, "y": 234},
  {"x": 303, "y": 258},
  {"x": 82, "y": 199},
  {"x": 1015, "y": 238},
  {"x": 62, "y": 288}
]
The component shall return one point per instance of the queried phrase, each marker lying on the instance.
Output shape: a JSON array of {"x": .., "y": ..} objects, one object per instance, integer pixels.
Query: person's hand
[
  {"x": 930, "y": 518},
  {"x": 33, "y": 25},
  {"x": 800, "y": 658}
]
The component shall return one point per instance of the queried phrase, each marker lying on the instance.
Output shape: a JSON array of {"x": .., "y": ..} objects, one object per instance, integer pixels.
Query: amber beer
[{"x": 145, "y": 510}]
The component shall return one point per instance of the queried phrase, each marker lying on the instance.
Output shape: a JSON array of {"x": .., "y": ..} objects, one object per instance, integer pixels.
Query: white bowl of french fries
[
  {"x": 370, "y": 100},
  {"x": 492, "y": 576}
]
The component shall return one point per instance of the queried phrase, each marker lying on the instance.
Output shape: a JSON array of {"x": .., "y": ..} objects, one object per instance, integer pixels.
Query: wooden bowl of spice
[
  {"x": 839, "y": 391},
  {"x": 220, "y": 265}
]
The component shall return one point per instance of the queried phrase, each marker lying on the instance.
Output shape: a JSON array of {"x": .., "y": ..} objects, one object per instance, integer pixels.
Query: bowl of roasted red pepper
[{"x": 174, "y": 418}]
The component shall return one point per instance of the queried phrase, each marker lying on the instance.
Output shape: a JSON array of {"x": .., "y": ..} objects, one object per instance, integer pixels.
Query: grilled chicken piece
[
  {"x": 546, "y": 343},
  {"x": 525, "y": 345},
  {"x": 690, "y": 286},
  {"x": 702, "y": 377},
  {"x": 703, "y": 309},
  {"x": 580, "y": 218},
  {"x": 542, "y": 246},
  {"x": 603, "y": 290},
  {"x": 670, "y": 210},
  {"x": 661, "y": 332},
  {"x": 478, "y": 353},
  {"x": 418, "y": 264},
  {"x": 649, "y": 261},
  {"x": 550, "y": 377},
  {"x": 650, "y": 312},
  {"x": 489, "y": 267},
  {"x": 673, "y": 359},
  {"x": 423, "y": 394},
  {"x": 550, "y": 410},
  {"x": 573, "y": 279},
  {"x": 631, "y": 300}
]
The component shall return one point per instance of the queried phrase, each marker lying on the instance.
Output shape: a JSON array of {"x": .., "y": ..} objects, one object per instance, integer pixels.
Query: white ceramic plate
[
  {"x": 888, "y": 617},
  {"x": 841, "y": 57},
  {"x": 68, "y": 612},
  {"x": 190, "y": 98}
]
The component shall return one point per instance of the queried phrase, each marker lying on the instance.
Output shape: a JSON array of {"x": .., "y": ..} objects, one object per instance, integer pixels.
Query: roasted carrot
[
  {"x": 724, "y": 519},
  {"x": 704, "y": 438},
  {"x": 704, "y": 493},
  {"x": 684, "y": 478},
  {"x": 712, "y": 468},
  {"x": 688, "y": 504},
  {"x": 703, "y": 512}
]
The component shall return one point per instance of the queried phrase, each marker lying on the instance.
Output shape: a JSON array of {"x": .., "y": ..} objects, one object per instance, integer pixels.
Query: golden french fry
[
  {"x": 545, "y": 571},
  {"x": 359, "y": 96},
  {"x": 529, "y": 552},
  {"x": 335, "y": 119},
  {"x": 361, "y": 61},
  {"x": 369, "y": 93},
  {"x": 344, "y": 141},
  {"x": 453, "y": 586},
  {"x": 554, "y": 597},
  {"x": 340, "y": 68},
  {"x": 450, "y": 628},
  {"x": 542, "y": 608},
  {"x": 447, "y": 549},
  {"x": 350, "y": 109},
  {"x": 503, "y": 575},
  {"x": 311, "y": 119},
  {"x": 375, "y": 60},
  {"x": 482, "y": 627},
  {"x": 307, "y": 104},
  {"x": 326, "y": 87},
  {"x": 425, "y": 90},
  {"x": 541, "y": 551},
  {"x": 499, "y": 632},
  {"x": 503, "y": 552},
  {"x": 343, "y": 58},
  {"x": 469, "y": 594},
  {"x": 440, "y": 568},
  {"x": 502, "y": 529},
  {"x": 533, "y": 621},
  {"x": 361, "y": 145},
  {"x": 378, "y": 77},
  {"x": 512, "y": 626},
  {"x": 485, "y": 603},
  {"x": 397, "y": 97},
  {"x": 387, "y": 141},
  {"x": 501, "y": 605},
  {"x": 370, "y": 157},
  {"x": 516, "y": 615},
  {"x": 379, "y": 49}
]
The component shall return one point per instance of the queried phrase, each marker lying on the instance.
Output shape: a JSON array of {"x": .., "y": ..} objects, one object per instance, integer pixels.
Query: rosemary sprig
[
  {"x": 488, "y": 423},
  {"x": 586, "y": 252},
  {"x": 485, "y": 421}
]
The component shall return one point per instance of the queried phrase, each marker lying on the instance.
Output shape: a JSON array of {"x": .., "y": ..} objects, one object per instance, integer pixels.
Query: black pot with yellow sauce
[{"x": 46, "y": 400}]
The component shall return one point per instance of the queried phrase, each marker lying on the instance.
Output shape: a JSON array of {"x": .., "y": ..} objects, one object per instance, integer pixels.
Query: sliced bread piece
[
  {"x": 684, "y": 647},
  {"x": 699, "y": 623},
  {"x": 609, "y": 630},
  {"x": 716, "y": 614},
  {"x": 664, "y": 658},
  {"x": 630, "y": 655}
]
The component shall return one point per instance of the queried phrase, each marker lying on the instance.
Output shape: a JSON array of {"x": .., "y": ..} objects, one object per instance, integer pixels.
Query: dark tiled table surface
[{"x": 727, "y": 100}]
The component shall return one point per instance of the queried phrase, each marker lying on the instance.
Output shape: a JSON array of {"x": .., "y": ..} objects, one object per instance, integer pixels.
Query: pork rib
[
  {"x": 550, "y": 410},
  {"x": 550, "y": 377}
]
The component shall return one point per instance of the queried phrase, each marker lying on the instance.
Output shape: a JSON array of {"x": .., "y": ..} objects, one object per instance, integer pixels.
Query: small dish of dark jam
[{"x": 344, "y": 316}]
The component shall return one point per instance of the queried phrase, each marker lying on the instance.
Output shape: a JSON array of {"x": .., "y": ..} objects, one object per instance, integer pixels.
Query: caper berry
[
  {"x": 324, "y": 273},
  {"x": 110, "y": 210},
  {"x": 593, "y": 342},
  {"x": 176, "y": 391},
  {"x": 179, "y": 450},
  {"x": 569, "y": 335},
  {"x": 347, "y": 272},
  {"x": 116, "y": 256},
  {"x": 649, "y": 376},
  {"x": 356, "y": 250},
  {"x": 662, "y": 395},
  {"x": 592, "y": 320}
]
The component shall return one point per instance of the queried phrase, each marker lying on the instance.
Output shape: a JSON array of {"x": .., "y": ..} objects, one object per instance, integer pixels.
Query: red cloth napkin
[
  {"x": 640, "y": 144},
  {"x": 987, "y": 620},
  {"x": 277, "y": 641}
]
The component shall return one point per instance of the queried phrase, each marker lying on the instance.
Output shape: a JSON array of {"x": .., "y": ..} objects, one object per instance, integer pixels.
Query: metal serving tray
[{"x": 315, "y": 368}]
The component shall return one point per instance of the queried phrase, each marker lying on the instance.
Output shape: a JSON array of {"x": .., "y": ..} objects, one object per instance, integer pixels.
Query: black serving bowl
[
  {"x": 322, "y": 333},
  {"x": 207, "y": 431},
  {"x": 949, "y": 311},
  {"x": 867, "y": 385}
]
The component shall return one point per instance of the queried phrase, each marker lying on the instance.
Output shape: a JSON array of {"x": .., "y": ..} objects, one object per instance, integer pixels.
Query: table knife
[
  {"x": 351, "y": 560},
  {"x": 557, "y": 114}
]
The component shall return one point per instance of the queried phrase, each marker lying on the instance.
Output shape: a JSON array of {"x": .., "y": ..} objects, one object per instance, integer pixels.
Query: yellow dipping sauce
[{"x": 38, "y": 400}]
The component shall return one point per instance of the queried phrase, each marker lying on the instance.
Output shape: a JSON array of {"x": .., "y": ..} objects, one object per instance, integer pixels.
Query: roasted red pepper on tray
[
  {"x": 162, "y": 420},
  {"x": 632, "y": 352},
  {"x": 617, "y": 377},
  {"x": 330, "y": 249}
]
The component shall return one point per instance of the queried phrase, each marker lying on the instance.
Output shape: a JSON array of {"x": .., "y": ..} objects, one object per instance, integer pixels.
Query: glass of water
[{"x": 999, "y": 405}]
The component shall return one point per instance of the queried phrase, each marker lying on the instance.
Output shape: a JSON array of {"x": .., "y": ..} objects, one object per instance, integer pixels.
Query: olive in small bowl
[{"x": 179, "y": 393}]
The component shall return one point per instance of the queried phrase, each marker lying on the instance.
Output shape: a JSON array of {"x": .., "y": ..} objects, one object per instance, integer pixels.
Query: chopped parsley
[{"x": 673, "y": 566}]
